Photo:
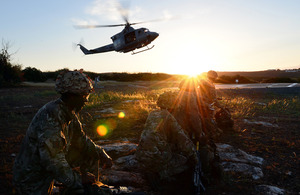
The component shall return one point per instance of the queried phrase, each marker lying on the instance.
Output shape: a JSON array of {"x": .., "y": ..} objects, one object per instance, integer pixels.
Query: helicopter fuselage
[
  {"x": 130, "y": 39},
  {"x": 127, "y": 40}
]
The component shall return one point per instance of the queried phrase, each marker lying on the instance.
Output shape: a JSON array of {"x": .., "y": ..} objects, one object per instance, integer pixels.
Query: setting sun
[{"x": 193, "y": 61}]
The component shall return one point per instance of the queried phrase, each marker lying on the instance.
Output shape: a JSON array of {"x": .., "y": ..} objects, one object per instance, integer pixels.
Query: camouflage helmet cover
[
  {"x": 212, "y": 74},
  {"x": 75, "y": 82},
  {"x": 167, "y": 100}
]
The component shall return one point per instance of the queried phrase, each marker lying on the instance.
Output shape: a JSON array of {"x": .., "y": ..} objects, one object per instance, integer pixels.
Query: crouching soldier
[
  {"x": 166, "y": 155},
  {"x": 55, "y": 143},
  {"x": 207, "y": 102}
]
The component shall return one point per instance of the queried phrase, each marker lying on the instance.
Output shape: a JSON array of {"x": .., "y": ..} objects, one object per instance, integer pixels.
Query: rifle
[{"x": 198, "y": 173}]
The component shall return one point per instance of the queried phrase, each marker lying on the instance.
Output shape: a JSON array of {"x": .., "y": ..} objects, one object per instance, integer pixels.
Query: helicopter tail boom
[{"x": 103, "y": 49}]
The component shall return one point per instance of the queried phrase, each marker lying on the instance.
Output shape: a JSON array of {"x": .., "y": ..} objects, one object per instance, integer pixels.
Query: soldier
[
  {"x": 207, "y": 100},
  {"x": 192, "y": 119},
  {"x": 166, "y": 146},
  {"x": 186, "y": 111},
  {"x": 55, "y": 143},
  {"x": 166, "y": 154},
  {"x": 222, "y": 116},
  {"x": 208, "y": 89}
]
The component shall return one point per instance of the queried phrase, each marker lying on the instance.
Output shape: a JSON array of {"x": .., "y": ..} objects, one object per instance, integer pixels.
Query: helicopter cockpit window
[{"x": 130, "y": 37}]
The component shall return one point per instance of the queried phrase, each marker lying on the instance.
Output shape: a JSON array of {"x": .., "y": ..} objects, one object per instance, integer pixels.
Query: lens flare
[
  {"x": 102, "y": 130},
  {"x": 121, "y": 115}
]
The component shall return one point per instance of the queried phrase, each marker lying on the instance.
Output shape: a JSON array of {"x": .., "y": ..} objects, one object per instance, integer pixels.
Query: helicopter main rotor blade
[
  {"x": 124, "y": 11},
  {"x": 97, "y": 26},
  {"x": 155, "y": 20}
]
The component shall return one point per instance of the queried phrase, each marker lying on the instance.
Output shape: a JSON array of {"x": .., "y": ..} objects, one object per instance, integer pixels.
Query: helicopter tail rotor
[{"x": 75, "y": 45}]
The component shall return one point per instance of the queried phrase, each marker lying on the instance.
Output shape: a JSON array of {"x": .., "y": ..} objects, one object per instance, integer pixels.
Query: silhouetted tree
[
  {"x": 9, "y": 74},
  {"x": 33, "y": 74}
]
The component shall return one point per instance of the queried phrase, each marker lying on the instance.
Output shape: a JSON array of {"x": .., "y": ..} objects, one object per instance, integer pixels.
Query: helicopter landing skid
[{"x": 148, "y": 48}]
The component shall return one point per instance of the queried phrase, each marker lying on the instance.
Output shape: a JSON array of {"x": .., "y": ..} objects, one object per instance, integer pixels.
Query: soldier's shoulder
[
  {"x": 49, "y": 110},
  {"x": 54, "y": 106}
]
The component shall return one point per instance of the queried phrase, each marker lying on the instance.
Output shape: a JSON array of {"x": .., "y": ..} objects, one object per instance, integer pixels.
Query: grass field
[{"x": 119, "y": 111}]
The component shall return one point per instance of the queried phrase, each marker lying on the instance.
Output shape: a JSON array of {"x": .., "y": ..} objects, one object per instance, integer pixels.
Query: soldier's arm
[
  {"x": 194, "y": 119},
  {"x": 86, "y": 146},
  {"x": 51, "y": 146}
]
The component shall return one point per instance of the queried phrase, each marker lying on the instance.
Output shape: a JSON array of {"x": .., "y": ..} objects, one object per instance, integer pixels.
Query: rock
[
  {"x": 269, "y": 190},
  {"x": 229, "y": 153},
  {"x": 123, "y": 178},
  {"x": 126, "y": 163},
  {"x": 116, "y": 150},
  {"x": 261, "y": 123},
  {"x": 260, "y": 103},
  {"x": 236, "y": 160},
  {"x": 125, "y": 190},
  {"x": 108, "y": 110},
  {"x": 245, "y": 169}
]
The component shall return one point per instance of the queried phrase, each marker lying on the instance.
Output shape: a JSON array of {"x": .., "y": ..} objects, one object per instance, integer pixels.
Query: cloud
[
  {"x": 115, "y": 12},
  {"x": 111, "y": 10},
  {"x": 104, "y": 9}
]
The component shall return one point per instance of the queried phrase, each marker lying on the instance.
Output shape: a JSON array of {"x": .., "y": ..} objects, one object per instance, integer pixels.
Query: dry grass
[{"x": 243, "y": 107}]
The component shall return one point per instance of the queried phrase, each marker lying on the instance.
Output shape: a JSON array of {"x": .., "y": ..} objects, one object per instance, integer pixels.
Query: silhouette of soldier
[{"x": 55, "y": 143}]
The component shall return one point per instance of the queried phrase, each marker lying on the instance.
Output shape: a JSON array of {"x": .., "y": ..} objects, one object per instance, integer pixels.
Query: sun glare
[{"x": 192, "y": 61}]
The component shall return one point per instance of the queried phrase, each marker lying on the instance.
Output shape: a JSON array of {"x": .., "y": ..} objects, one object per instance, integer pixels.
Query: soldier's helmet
[
  {"x": 75, "y": 82},
  {"x": 167, "y": 100},
  {"x": 212, "y": 74}
]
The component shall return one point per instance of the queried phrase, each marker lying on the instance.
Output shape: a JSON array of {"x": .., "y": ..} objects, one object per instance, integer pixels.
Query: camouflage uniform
[
  {"x": 184, "y": 107},
  {"x": 206, "y": 99},
  {"x": 164, "y": 148},
  {"x": 55, "y": 143}
]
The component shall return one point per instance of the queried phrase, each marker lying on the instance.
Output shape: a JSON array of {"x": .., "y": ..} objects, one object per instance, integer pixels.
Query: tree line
[{"x": 13, "y": 74}]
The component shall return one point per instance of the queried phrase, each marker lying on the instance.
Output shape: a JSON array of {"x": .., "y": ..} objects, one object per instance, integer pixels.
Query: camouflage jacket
[
  {"x": 54, "y": 143},
  {"x": 184, "y": 107},
  {"x": 164, "y": 148},
  {"x": 207, "y": 91}
]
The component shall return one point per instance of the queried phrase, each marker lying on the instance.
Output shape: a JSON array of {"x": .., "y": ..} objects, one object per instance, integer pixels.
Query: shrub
[
  {"x": 33, "y": 74},
  {"x": 279, "y": 80}
]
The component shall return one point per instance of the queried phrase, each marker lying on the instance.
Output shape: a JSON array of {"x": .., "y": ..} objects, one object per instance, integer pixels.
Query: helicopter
[{"x": 125, "y": 41}]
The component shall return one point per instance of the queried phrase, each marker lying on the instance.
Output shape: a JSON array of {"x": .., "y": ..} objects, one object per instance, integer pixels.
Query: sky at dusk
[{"x": 224, "y": 35}]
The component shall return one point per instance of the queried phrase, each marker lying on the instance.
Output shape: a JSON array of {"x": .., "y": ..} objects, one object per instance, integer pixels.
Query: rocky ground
[{"x": 273, "y": 137}]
